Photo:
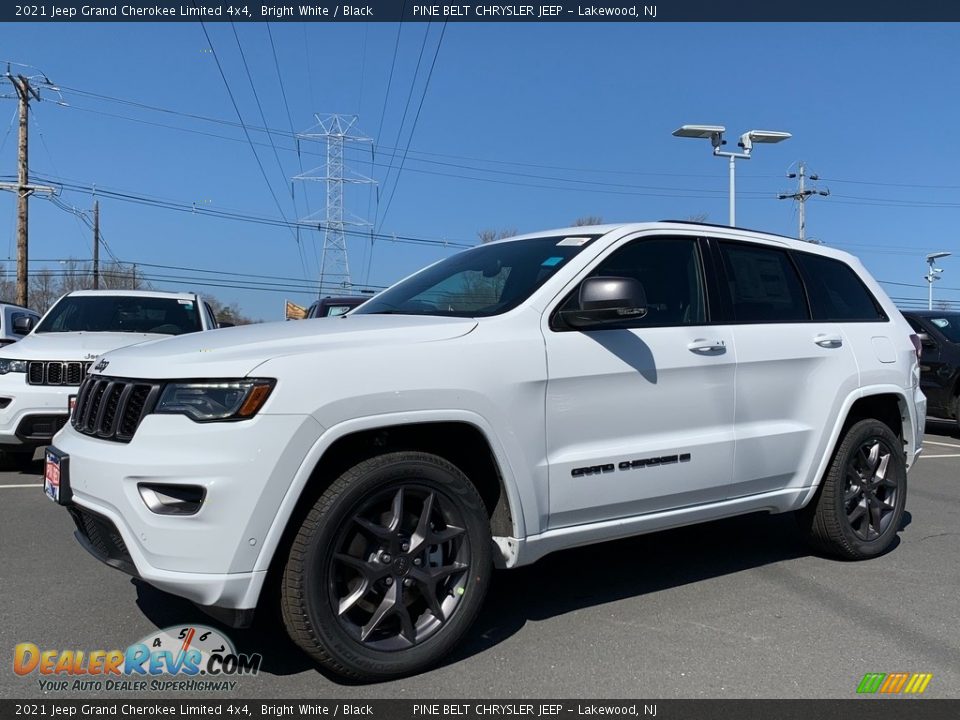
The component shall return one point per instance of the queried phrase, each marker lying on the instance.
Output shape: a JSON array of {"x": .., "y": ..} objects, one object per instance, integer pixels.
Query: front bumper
[
  {"x": 212, "y": 557},
  {"x": 31, "y": 414}
]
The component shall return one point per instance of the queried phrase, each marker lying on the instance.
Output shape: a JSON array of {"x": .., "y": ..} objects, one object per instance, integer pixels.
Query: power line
[
  {"x": 406, "y": 107},
  {"x": 236, "y": 109},
  {"x": 426, "y": 87},
  {"x": 245, "y": 217},
  {"x": 286, "y": 105}
]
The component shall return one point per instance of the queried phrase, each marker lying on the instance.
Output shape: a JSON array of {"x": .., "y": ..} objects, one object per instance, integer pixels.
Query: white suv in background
[
  {"x": 43, "y": 371},
  {"x": 519, "y": 398}
]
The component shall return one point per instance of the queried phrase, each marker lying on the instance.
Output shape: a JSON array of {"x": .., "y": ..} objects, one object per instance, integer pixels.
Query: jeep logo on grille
[{"x": 102, "y": 365}]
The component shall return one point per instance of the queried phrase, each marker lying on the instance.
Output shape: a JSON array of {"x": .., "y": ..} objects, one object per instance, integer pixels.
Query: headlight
[
  {"x": 211, "y": 400},
  {"x": 9, "y": 366}
]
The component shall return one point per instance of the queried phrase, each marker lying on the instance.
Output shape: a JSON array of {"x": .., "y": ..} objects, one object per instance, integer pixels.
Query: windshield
[
  {"x": 120, "y": 313},
  {"x": 949, "y": 325},
  {"x": 485, "y": 280}
]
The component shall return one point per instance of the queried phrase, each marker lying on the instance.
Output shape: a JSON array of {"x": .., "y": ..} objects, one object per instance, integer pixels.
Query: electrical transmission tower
[
  {"x": 336, "y": 131},
  {"x": 803, "y": 194}
]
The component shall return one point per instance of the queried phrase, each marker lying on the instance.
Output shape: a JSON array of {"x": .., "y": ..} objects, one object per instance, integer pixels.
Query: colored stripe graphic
[
  {"x": 894, "y": 683},
  {"x": 918, "y": 683},
  {"x": 870, "y": 683}
]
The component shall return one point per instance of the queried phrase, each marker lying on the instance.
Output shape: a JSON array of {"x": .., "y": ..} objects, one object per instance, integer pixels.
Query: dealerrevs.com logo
[{"x": 195, "y": 656}]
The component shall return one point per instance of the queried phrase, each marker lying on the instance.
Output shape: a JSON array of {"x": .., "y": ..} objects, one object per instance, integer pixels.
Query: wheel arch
[
  {"x": 886, "y": 403},
  {"x": 461, "y": 438}
]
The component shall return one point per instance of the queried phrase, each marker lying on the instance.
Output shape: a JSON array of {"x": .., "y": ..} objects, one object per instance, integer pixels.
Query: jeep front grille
[
  {"x": 56, "y": 372},
  {"x": 112, "y": 408}
]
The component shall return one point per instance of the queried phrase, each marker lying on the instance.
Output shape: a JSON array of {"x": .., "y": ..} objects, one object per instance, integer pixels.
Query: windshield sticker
[
  {"x": 551, "y": 261},
  {"x": 576, "y": 241},
  {"x": 940, "y": 322},
  {"x": 188, "y": 303}
]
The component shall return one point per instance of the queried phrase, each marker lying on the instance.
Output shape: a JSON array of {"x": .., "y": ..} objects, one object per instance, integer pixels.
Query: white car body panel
[{"x": 759, "y": 420}]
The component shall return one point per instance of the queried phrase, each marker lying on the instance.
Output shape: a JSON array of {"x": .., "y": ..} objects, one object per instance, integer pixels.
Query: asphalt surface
[{"x": 732, "y": 609}]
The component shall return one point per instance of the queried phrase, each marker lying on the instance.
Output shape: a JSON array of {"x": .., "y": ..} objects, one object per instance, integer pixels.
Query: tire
[
  {"x": 348, "y": 569},
  {"x": 857, "y": 510}
]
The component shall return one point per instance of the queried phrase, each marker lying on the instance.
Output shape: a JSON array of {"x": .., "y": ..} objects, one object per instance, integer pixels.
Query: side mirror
[
  {"x": 925, "y": 340},
  {"x": 23, "y": 325},
  {"x": 607, "y": 301},
  {"x": 224, "y": 323}
]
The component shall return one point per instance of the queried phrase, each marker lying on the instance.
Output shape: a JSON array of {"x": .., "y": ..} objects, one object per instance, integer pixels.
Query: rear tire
[
  {"x": 857, "y": 510},
  {"x": 390, "y": 567}
]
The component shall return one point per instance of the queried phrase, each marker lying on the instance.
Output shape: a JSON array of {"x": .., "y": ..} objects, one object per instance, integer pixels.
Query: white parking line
[
  {"x": 21, "y": 486},
  {"x": 930, "y": 457},
  {"x": 934, "y": 442}
]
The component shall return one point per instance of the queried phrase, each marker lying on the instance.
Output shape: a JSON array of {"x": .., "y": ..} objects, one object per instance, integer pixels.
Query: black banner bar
[
  {"x": 873, "y": 708},
  {"x": 429, "y": 11}
]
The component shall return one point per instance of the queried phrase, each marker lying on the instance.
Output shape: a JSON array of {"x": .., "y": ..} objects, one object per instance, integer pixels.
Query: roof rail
[{"x": 728, "y": 227}]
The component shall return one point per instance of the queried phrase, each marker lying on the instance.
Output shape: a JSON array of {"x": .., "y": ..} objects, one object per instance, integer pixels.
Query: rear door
[
  {"x": 793, "y": 372},
  {"x": 639, "y": 418}
]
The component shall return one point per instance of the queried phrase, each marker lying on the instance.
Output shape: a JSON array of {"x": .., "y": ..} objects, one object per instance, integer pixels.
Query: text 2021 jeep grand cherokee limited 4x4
[{"x": 518, "y": 398}]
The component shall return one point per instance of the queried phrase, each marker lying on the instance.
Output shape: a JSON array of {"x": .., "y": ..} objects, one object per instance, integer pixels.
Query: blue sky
[{"x": 552, "y": 122}]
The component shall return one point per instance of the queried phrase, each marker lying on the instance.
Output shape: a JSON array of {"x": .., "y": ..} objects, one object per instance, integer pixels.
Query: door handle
[
  {"x": 705, "y": 347},
  {"x": 828, "y": 340}
]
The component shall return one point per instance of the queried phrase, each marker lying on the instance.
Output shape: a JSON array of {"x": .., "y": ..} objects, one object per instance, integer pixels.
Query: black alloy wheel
[
  {"x": 389, "y": 568},
  {"x": 857, "y": 510}
]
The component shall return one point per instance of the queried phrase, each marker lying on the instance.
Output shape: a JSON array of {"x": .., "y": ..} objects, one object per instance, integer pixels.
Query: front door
[{"x": 640, "y": 418}]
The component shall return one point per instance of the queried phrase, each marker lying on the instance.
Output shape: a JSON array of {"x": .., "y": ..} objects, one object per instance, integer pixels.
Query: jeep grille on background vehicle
[
  {"x": 56, "y": 372},
  {"x": 112, "y": 408}
]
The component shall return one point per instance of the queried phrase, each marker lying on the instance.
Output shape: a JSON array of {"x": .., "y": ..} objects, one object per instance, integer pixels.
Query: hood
[
  {"x": 236, "y": 351},
  {"x": 72, "y": 345}
]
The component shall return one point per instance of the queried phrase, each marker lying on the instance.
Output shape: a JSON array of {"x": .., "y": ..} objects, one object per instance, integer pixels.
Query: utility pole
[
  {"x": 801, "y": 196},
  {"x": 335, "y": 130},
  {"x": 25, "y": 93},
  {"x": 96, "y": 244}
]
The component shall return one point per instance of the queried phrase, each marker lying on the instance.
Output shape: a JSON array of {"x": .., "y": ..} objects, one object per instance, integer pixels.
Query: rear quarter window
[{"x": 836, "y": 291}]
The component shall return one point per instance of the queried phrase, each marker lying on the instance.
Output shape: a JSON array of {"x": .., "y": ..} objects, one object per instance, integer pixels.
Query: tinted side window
[
  {"x": 763, "y": 284},
  {"x": 669, "y": 270},
  {"x": 836, "y": 292}
]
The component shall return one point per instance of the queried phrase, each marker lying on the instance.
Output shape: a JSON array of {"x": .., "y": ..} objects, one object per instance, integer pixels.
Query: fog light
[{"x": 172, "y": 499}]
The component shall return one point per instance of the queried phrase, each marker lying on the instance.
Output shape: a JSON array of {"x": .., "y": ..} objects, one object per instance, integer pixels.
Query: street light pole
[
  {"x": 733, "y": 190},
  {"x": 715, "y": 134},
  {"x": 933, "y": 274}
]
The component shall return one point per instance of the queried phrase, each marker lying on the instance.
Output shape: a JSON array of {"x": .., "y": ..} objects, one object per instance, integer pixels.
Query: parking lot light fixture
[
  {"x": 933, "y": 274},
  {"x": 715, "y": 134}
]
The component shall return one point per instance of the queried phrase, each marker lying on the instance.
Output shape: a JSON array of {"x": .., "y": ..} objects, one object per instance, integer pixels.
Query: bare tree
[
  {"x": 44, "y": 290},
  {"x": 698, "y": 217},
  {"x": 588, "y": 220},
  {"x": 488, "y": 236},
  {"x": 229, "y": 313}
]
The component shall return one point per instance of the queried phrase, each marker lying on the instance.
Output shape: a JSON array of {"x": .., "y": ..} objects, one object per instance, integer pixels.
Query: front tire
[
  {"x": 858, "y": 508},
  {"x": 389, "y": 568}
]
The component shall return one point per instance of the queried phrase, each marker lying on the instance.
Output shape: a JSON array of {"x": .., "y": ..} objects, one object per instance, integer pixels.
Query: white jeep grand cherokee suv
[
  {"x": 519, "y": 398},
  {"x": 43, "y": 371}
]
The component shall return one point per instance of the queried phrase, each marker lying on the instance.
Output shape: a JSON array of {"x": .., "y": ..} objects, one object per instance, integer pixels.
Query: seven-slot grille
[
  {"x": 56, "y": 372},
  {"x": 112, "y": 408}
]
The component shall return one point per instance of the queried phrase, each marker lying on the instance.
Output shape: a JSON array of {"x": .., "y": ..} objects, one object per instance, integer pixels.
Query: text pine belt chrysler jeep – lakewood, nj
[{"x": 529, "y": 395}]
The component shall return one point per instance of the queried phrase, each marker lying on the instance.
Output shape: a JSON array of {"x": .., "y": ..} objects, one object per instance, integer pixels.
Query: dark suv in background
[
  {"x": 939, "y": 333},
  {"x": 332, "y": 306}
]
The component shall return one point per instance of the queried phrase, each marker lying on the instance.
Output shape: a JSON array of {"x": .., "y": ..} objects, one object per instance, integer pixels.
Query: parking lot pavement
[{"x": 737, "y": 608}]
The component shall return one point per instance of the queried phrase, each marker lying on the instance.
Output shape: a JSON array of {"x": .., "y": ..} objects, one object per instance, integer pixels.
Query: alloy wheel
[
  {"x": 870, "y": 496},
  {"x": 399, "y": 567}
]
